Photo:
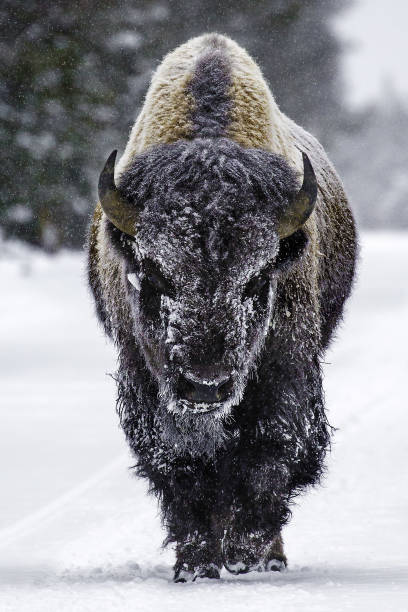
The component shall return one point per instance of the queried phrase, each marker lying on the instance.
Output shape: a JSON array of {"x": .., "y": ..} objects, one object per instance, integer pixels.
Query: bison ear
[
  {"x": 302, "y": 205},
  {"x": 122, "y": 213}
]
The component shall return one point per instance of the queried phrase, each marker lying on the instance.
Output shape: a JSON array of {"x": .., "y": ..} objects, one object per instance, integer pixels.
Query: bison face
[
  {"x": 201, "y": 266},
  {"x": 200, "y": 320}
]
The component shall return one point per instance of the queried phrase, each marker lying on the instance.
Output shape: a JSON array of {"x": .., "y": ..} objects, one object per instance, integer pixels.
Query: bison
[{"x": 220, "y": 257}]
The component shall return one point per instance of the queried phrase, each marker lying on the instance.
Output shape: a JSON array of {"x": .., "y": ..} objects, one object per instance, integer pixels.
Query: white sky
[{"x": 377, "y": 34}]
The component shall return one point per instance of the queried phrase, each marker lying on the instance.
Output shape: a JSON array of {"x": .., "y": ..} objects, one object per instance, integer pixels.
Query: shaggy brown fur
[{"x": 227, "y": 504}]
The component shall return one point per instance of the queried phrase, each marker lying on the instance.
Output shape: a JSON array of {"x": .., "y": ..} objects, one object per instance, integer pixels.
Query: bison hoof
[
  {"x": 239, "y": 567},
  {"x": 239, "y": 558},
  {"x": 275, "y": 565},
  {"x": 207, "y": 571},
  {"x": 251, "y": 556},
  {"x": 184, "y": 574}
]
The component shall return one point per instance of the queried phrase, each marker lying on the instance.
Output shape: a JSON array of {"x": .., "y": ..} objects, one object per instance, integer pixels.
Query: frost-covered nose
[{"x": 204, "y": 385}]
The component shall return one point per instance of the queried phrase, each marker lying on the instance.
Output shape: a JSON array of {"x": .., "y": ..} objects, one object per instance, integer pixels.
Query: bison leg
[
  {"x": 275, "y": 559},
  {"x": 252, "y": 540},
  {"x": 253, "y": 552},
  {"x": 198, "y": 556},
  {"x": 193, "y": 517}
]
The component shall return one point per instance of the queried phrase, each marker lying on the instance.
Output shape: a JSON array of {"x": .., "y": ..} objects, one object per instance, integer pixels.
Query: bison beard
[{"x": 229, "y": 273}]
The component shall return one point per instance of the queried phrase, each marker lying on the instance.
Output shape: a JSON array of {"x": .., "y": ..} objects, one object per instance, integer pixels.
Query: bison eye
[
  {"x": 155, "y": 281},
  {"x": 258, "y": 287}
]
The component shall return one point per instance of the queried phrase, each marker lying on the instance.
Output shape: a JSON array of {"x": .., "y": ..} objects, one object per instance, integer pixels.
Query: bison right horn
[
  {"x": 303, "y": 203},
  {"x": 118, "y": 209}
]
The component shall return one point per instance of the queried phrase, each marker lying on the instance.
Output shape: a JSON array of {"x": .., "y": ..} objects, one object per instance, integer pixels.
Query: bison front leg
[
  {"x": 193, "y": 519},
  {"x": 198, "y": 556},
  {"x": 252, "y": 540}
]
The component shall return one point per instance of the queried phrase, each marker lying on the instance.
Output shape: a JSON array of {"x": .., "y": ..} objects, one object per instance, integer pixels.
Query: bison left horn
[
  {"x": 118, "y": 209},
  {"x": 303, "y": 203}
]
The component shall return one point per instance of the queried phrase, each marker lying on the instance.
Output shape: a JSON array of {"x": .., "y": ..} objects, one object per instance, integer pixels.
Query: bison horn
[
  {"x": 303, "y": 203},
  {"x": 118, "y": 209}
]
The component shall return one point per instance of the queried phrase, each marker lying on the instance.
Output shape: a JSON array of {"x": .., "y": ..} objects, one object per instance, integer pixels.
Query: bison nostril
[
  {"x": 185, "y": 388},
  {"x": 198, "y": 391},
  {"x": 224, "y": 390}
]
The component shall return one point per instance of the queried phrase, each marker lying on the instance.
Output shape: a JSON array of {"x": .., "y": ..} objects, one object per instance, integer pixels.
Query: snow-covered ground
[{"x": 78, "y": 533}]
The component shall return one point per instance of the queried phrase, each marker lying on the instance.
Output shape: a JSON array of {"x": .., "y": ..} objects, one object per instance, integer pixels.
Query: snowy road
[{"x": 78, "y": 533}]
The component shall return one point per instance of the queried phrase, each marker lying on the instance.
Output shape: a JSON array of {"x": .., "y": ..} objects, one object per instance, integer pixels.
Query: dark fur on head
[
  {"x": 210, "y": 211},
  {"x": 207, "y": 282},
  {"x": 215, "y": 176}
]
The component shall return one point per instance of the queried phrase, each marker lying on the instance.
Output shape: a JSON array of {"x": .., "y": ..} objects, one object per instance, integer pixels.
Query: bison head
[{"x": 204, "y": 228}]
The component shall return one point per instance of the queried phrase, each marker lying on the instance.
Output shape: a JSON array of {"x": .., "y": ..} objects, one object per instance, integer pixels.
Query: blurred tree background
[{"x": 74, "y": 75}]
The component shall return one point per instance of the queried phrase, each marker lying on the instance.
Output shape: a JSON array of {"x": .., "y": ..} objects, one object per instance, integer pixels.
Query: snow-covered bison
[{"x": 220, "y": 258}]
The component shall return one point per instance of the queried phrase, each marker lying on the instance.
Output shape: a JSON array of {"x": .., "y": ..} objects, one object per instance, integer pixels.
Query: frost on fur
[{"x": 219, "y": 321}]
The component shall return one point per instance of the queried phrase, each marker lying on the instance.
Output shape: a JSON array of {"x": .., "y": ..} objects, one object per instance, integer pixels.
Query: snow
[
  {"x": 78, "y": 532},
  {"x": 375, "y": 41}
]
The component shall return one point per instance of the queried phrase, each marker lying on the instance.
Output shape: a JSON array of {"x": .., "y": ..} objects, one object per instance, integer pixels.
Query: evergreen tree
[
  {"x": 74, "y": 75},
  {"x": 372, "y": 156}
]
